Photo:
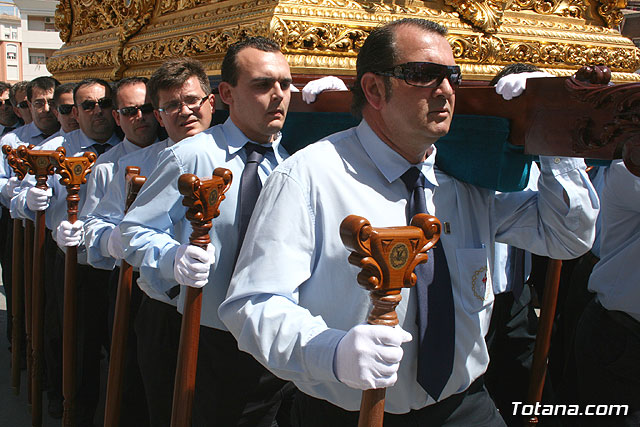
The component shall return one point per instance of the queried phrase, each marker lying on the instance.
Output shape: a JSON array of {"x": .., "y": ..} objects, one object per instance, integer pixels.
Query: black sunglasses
[
  {"x": 89, "y": 105},
  {"x": 5, "y": 101},
  {"x": 65, "y": 109},
  {"x": 133, "y": 111},
  {"x": 23, "y": 104},
  {"x": 425, "y": 74}
]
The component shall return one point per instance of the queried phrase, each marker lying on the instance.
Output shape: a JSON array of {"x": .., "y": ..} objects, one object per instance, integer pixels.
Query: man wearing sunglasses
[
  {"x": 305, "y": 319},
  {"x": 63, "y": 103},
  {"x": 18, "y": 97},
  {"x": 231, "y": 387},
  {"x": 8, "y": 119}
]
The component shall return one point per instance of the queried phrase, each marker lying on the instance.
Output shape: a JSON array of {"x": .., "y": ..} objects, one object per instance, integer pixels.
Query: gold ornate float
[{"x": 112, "y": 39}]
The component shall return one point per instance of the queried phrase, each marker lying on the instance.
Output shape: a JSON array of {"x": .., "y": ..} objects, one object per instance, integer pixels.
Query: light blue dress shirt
[
  {"x": 106, "y": 215},
  {"x": 294, "y": 295},
  {"x": 156, "y": 225},
  {"x": 615, "y": 276},
  {"x": 75, "y": 143},
  {"x": 24, "y": 135},
  {"x": 503, "y": 261}
]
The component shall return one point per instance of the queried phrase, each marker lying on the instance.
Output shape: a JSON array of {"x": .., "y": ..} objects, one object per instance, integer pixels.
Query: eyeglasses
[
  {"x": 133, "y": 111},
  {"x": 22, "y": 104},
  {"x": 89, "y": 104},
  {"x": 65, "y": 109},
  {"x": 193, "y": 103},
  {"x": 40, "y": 103},
  {"x": 425, "y": 74}
]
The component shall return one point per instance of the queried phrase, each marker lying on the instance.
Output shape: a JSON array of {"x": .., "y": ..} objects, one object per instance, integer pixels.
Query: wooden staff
[
  {"x": 28, "y": 313},
  {"x": 41, "y": 167},
  {"x": 73, "y": 172},
  {"x": 543, "y": 336},
  {"x": 387, "y": 257},
  {"x": 134, "y": 183},
  {"x": 203, "y": 198},
  {"x": 20, "y": 169}
]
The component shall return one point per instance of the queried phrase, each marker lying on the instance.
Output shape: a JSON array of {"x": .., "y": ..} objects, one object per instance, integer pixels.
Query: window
[
  {"x": 12, "y": 72},
  {"x": 12, "y": 52},
  {"x": 11, "y": 55},
  {"x": 39, "y": 56}
]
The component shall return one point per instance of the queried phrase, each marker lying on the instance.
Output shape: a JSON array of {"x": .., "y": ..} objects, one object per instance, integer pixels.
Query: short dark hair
[
  {"x": 516, "y": 68},
  {"x": 90, "y": 82},
  {"x": 229, "y": 68},
  {"x": 379, "y": 53},
  {"x": 44, "y": 83},
  {"x": 62, "y": 89},
  {"x": 14, "y": 89},
  {"x": 174, "y": 73},
  {"x": 125, "y": 82},
  {"x": 4, "y": 86}
]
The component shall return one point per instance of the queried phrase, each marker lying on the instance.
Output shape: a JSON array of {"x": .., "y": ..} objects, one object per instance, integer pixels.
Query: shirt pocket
[{"x": 475, "y": 287}]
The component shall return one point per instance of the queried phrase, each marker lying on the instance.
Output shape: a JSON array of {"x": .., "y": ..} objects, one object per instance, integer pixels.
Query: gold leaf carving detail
[
  {"x": 294, "y": 35},
  {"x": 485, "y": 15},
  {"x": 63, "y": 19},
  {"x": 609, "y": 10},
  {"x": 568, "y": 8}
]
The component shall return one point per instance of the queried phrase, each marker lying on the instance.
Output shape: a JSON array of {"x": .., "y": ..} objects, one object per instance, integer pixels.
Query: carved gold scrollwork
[
  {"x": 312, "y": 36},
  {"x": 569, "y": 8},
  {"x": 486, "y": 15},
  {"x": 609, "y": 10},
  {"x": 167, "y": 6},
  {"x": 485, "y": 50},
  {"x": 63, "y": 19}
]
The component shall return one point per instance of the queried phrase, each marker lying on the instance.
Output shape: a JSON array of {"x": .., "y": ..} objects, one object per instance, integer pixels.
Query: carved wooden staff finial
[
  {"x": 73, "y": 172},
  {"x": 133, "y": 183},
  {"x": 41, "y": 167},
  {"x": 387, "y": 257},
  {"x": 20, "y": 169},
  {"x": 203, "y": 198}
]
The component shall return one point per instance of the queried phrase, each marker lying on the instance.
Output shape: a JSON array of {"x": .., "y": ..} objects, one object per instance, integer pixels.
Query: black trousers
[
  {"x": 53, "y": 309},
  {"x": 133, "y": 410},
  {"x": 232, "y": 388},
  {"x": 157, "y": 328},
  {"x": 6, "y": 261},
  {"x": 472, "y": 407},
  {"x": 92, "y": 335},
  {"x": 608, "y": 345},
  {"x": 511, "y": 340}
]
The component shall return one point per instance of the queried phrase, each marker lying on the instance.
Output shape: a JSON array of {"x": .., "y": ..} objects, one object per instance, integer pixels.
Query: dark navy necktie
[
  {"x": 250, "y": 184},
  {"x": 100, "y": 148},
  {"x": 436, "y": 321}
]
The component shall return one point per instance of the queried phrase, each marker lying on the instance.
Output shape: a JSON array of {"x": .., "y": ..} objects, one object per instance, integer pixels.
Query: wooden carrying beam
[
  {"x": 203, "y": 198},
  {"x": 41, "y": 167},
  {"x": 133, "y": 182},
  {"x": 20, "y": 169},
  {"x": 73, "y": 172},
  {"x": 387, "y": 257}
]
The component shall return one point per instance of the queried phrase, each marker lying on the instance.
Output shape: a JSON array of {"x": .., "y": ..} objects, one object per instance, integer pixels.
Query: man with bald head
[{"x": 294, "y": 302}]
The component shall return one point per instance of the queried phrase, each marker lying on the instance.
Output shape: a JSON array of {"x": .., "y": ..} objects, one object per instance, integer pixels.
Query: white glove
[
  {"x": 68, "y": 234},
  {"x": 368, "y": 356},
  {"x": 37, "y": 199},
  {"x": 314, "y": 87},
  {"x": 114, "y": 244},
  {"x": 10, "y": 186},
  {"x": 513, "y": 85},
  {"x": 192, "y": 264}
]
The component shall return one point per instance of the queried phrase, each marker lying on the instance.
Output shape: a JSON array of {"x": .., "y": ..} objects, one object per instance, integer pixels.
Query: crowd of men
[{"x": 283, "y": 336}]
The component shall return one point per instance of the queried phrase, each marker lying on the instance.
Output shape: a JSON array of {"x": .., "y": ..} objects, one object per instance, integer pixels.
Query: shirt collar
[
  {"x": 236, "y": 139},
  {"x": 86, "y": 142},
  {"x": 128, "y": 146},
  {"x": 391, "y": 164}
]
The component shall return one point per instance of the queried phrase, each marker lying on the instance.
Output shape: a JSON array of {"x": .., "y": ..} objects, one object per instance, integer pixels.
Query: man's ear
[
  {"x": 373, "y": 89},
  {"x": 74, "y": 111},
  {"x": 116, "y": 116},
  {"x": 225, "y": 92},
  {"x": 158, "y": 117}
]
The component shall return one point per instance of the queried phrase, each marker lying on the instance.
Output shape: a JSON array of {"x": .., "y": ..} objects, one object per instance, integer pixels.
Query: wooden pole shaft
[
  {"x": 37, "y": 322},
  {"x": 17, "y": 301},
  {"x": 543, "y": 337},
  {"x": 70, "y": 317},
  {"x": 28, "y": 273},
  {"x": 118, "y": 346}
]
